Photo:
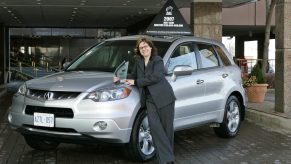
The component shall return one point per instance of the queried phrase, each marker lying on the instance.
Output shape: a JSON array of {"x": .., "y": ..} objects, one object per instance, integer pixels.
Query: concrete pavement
[{"x": 264, "y": 114}]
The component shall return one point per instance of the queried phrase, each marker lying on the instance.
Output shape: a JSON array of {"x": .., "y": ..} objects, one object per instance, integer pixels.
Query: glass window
[
  {"x": 183, "y": 55},
  {"x": 222, "y": 56},
  {"x": 208, "y": 57},
  {"x": 108, "y": 55}
]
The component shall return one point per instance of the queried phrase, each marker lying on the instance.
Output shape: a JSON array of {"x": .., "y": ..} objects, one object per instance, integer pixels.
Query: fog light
[
  {"x": 100, "y": 125},
  {"x": 9, "y": 118}
]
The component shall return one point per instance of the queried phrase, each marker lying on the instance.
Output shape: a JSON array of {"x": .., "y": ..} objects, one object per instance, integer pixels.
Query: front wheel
[
  {"x": 39, "y": 143},
  {"x": 232, "y": 119},
  {"x": 141, "y": 146}
]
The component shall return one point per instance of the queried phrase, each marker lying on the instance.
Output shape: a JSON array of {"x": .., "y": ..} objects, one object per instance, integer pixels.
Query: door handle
[
  {"x": 199, "y": 81},
  {"x": 224, "y": 75}
]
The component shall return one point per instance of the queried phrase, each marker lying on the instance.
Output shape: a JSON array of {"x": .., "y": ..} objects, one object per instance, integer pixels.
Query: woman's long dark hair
[{"x": 145, "y": 40}]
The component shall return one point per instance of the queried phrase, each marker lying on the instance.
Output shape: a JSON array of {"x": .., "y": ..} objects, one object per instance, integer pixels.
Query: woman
[{"x": 157, "y": 95}]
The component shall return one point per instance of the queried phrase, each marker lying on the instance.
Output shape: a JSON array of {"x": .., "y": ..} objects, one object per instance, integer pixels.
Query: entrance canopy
[{"x": 85, "y": 13}]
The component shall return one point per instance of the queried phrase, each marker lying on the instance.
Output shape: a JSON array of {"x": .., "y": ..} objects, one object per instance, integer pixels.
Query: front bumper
[
  {"x": 72, "y": 128},
  {"x": 118, "y": 115}
]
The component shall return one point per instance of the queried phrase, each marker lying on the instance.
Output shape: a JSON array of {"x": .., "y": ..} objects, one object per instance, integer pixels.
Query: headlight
[
  {"x": 22, "y": 89},
  {"x": 109, "y": 94}
]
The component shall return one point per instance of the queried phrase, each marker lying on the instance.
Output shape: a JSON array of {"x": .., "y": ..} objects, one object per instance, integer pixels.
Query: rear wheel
[
  {"x": 141, "y": 146},
  {"x": 232, "y": 119},
  {"x": 39, "y": 143}
]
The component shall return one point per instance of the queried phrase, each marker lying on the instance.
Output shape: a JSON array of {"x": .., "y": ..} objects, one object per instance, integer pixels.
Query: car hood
[{"x": 76, "y": 81}]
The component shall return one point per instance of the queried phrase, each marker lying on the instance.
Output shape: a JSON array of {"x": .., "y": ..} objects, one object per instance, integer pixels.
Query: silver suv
[{"x": 82, "y": 104}]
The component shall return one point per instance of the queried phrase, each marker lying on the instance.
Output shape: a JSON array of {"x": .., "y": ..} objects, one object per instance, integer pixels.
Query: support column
[
  {"x": 239, "y": 47},
  {"x": 2, "y": 54},
  {"x": 206, "y": 18},
  {"x": 283, "y": 57}
]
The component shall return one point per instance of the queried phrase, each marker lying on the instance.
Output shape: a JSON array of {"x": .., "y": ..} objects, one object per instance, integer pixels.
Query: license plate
[{"x": 44, "y": 119}]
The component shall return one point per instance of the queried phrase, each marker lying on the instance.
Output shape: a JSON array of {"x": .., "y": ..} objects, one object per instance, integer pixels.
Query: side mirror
[{"x": 181, "y": 70}]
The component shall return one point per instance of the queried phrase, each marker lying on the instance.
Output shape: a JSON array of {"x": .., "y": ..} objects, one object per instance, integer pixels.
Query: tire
[
  {"x": 140, "y": 148},
  {"x": 39, "y": 143},
  {"x": 231, "y": 120}
]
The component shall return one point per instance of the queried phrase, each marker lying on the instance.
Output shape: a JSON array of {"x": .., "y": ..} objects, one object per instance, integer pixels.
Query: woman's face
[{"x": 144, "y": 49}]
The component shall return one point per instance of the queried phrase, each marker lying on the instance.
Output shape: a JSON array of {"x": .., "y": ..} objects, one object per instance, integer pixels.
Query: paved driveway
[{"x": 254, "y": 144}]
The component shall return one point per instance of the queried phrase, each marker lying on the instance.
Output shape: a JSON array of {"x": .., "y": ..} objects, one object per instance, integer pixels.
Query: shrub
[
  {"x": 255, "y": 77},
  {"x": 257, "y": 72}
]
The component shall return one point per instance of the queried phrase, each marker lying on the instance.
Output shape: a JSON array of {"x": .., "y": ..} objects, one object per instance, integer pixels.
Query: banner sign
[{"x": 169, "y": 21}]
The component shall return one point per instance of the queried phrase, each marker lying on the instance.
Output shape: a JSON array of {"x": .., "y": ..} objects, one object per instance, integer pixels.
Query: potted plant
[{"x": 255, "y": 85}]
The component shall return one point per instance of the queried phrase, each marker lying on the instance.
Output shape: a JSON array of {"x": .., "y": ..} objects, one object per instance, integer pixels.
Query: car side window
[
  {"x": 222, "y": 56},
  {"x": 208, "y": 56},
  {"x": 183, "y": 55}
]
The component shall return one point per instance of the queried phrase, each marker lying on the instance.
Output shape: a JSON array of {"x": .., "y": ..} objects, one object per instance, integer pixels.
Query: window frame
[
  {"x": 219, "y": 56},
  {"x": 192, "y": 45}
]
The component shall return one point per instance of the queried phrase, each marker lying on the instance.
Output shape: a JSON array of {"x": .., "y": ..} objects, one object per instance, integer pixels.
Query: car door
[
  {"x": 188, "y": 88},
  {"x": 214, "y": 76}
]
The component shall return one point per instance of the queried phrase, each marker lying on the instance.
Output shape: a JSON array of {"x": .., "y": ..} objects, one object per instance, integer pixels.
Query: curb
[{"x": 274, "y": 122}]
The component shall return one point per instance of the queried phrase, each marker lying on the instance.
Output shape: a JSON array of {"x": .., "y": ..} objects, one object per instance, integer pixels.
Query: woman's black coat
[{"x": 153, "y": 77}]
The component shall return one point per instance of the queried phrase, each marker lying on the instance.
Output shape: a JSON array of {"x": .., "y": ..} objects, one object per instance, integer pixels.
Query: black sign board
[{"x": 169, "y": 21}]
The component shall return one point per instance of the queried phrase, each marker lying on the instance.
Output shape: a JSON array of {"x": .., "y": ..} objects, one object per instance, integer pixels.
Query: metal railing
[
  {"x": 25, "y": 69},
  {"x": 246, "y": 65}
]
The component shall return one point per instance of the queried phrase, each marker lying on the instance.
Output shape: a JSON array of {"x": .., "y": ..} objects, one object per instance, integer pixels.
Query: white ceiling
[{"x": 84, "y": 13}]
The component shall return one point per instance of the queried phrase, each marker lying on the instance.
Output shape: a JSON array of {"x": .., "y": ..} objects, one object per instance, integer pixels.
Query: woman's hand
[
  {"x": 129, "y": 82},
  {"x": 115, "y": 79}
]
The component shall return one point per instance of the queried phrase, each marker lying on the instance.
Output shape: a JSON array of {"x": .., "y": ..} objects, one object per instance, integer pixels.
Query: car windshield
[{"x": 108, "y": 55}]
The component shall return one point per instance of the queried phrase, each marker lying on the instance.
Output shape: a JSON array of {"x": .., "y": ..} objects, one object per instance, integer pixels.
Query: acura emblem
[{"x": 49, "y": 95}]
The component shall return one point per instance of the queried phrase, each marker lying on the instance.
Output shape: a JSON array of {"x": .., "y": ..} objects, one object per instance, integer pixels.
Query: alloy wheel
[{"x": 145, "y": 138}]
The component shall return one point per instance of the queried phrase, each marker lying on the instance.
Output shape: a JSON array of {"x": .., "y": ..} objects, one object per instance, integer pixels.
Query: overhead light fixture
[
  {"x": 250, "y": 33},
  {"x": 82, "y": 3},
  {"x": 38, "y": 2}
]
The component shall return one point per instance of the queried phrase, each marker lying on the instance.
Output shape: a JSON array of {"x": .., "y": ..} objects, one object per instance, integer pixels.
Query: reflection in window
[
  {"x": 207, "y": 55},
  {"x": 183, "y": 55},
  {"x": 108, "y": 55},
  {"x": 222, "y": 55}
]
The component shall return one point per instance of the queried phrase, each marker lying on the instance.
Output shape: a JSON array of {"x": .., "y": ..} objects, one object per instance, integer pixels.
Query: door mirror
[{"x": 181, "y": 70}]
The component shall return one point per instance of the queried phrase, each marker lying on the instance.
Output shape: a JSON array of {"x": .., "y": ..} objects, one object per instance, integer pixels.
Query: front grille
[
  {"x": 51, "y": 95},
  {"x": 58, "y": 112},
  {"x": 64, "y": 130}
]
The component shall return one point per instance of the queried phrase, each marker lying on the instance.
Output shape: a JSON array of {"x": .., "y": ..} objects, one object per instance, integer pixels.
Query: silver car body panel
[{"x": 196, "y": 104}]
